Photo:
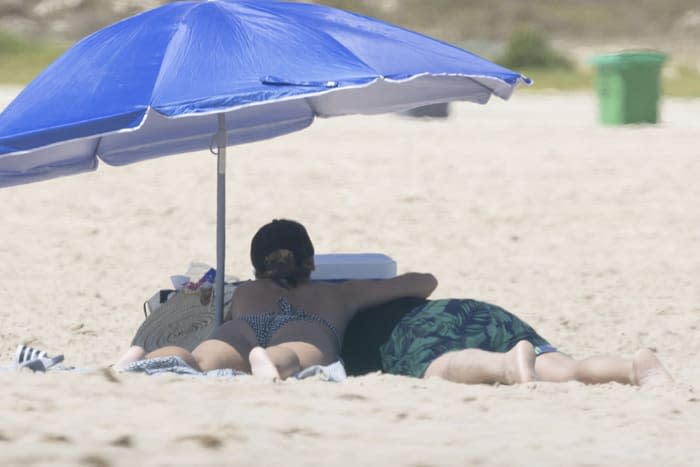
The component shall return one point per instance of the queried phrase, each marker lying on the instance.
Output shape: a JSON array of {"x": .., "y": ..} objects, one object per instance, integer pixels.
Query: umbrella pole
[{"x": 221, "y": 139}]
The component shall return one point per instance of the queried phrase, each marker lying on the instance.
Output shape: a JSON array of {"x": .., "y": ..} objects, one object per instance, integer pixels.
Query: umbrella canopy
[{"x": 201, "y": 74}]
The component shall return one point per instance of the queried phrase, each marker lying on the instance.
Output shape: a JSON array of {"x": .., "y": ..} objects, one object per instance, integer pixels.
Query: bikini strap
[{"x": 288, "y": 308}]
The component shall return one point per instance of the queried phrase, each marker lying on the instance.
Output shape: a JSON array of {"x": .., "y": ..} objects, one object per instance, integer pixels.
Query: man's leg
[
  {"x": 644, "y": 368},
  {"x": 475, "y": 366}
]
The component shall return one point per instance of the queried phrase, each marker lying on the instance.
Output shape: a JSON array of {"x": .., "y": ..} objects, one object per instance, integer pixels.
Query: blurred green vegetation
[
  {"x": 530, "y": 48},
  {"x": 679, "y": 82},
  {"x": 560, "y": 79},
  {"x": 459, "y": 20},
  {"x": 22, "y": 59},
  {"x": 530, "y": 52}
]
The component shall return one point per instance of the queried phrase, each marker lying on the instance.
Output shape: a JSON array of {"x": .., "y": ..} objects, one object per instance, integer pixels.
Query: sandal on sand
[{"x": 34, "y": 359}]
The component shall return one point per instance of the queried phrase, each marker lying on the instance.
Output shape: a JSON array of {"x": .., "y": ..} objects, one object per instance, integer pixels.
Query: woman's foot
[
  {"x": 261, "y": 365},
  {"x": 648, "y": 369}
]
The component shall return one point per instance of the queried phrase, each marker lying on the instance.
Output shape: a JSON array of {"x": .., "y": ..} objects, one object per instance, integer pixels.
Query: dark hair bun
[
  {"x": 279, "y": 264},
  {"x": 282, "y": 251}
]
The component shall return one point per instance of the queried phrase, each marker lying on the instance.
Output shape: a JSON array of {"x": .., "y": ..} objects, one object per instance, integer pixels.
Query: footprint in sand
[
  {"x": 55, "y": 438},
  {"x": 207, "y": 441},
  {"x": 95, "y": 461},
  {"x": 352, "y": 397},
  {"x": 124, "y": 441}
]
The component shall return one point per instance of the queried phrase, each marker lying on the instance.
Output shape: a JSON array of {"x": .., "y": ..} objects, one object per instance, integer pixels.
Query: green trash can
[{"x": 628, "y": 85}]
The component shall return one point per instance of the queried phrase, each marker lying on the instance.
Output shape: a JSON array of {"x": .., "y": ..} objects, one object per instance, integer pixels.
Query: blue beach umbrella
[{"x": 192, "y": 75}]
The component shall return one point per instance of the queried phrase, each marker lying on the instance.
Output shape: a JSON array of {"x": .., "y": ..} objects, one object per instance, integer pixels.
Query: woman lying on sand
[{"x": 283, "y": 322}]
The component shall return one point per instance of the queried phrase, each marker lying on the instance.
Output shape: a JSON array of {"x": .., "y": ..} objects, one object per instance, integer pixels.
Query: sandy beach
[{"x": 589, "y": 233}]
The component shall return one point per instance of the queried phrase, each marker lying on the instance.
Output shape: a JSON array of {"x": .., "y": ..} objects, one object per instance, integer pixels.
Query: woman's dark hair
[{"x": 282, "y": 251}]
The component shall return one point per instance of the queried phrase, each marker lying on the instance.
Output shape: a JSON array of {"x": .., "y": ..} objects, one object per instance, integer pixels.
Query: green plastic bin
[{"x": 628, "y": 85}]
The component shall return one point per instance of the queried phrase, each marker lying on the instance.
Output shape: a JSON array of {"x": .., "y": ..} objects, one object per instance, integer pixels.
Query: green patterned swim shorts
[{"x": 442, "y": 326}]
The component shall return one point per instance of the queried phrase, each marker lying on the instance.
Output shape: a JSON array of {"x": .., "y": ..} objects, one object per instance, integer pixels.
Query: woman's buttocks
[{"x": 306, "y": 331}]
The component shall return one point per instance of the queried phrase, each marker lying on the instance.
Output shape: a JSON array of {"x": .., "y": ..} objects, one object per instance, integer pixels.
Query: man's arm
[{"x": 360, "y": 294}]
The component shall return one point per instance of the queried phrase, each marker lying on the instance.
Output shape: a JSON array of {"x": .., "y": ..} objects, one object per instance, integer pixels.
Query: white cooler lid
[{"x": 342, "y": 266}]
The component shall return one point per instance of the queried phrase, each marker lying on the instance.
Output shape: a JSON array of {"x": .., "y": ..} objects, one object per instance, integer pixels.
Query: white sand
[{"x": 590, "y": 233}]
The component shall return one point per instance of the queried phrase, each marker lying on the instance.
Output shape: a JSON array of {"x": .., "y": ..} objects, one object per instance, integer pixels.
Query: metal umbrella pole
[{"x": 221, "y": 142}]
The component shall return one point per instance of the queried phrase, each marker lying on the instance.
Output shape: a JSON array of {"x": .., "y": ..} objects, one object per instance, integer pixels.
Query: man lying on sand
[
  {"x": 468, "y": 341},
  {"x": 283, "y": 322}
]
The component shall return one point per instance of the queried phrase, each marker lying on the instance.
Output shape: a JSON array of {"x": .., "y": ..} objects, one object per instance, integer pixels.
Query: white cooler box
[{"x": 344, "y": 266}]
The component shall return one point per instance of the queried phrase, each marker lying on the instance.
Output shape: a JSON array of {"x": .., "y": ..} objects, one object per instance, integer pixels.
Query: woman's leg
[
  {"x": 644, "y": 368},
  {"x": 213, "y": 354},
  {"x": 209, "y": 355},
  {"x": 475, "y": 366},
  {"x": 133, "y": 354},
  {"x": 228, "y": 347},
  {"x": 136, "y": 352},
  {"x": 175, "y": 351}
]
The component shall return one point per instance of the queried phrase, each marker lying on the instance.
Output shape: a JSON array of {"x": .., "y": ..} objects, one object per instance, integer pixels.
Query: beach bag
[{"x": 178, "y": 317}]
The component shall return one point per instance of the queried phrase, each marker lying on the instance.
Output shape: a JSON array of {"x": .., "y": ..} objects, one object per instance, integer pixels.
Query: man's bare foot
[
  {"x": 519, "y": 364},
  {"x": 134, "y": 354},
  {"x": 261, "y": 365},
  {"x": 648, "y": 370}
]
